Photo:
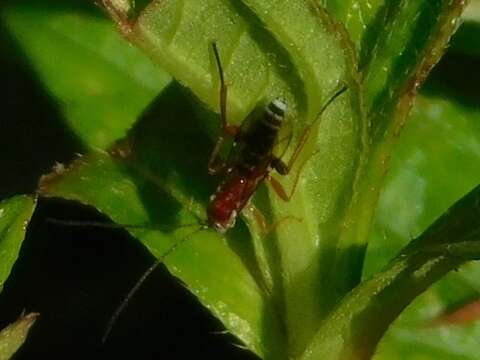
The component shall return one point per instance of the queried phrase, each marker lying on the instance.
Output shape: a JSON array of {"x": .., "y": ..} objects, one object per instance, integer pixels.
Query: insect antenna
[
  {"x": 119, "y": 310},
  {"x": 97, "y": 224},
  {"x": 342, "y": 87},
  {"x": 108, "y": 225}
]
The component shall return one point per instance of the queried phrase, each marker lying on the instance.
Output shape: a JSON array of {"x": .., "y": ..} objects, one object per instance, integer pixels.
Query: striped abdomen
[{"x": 260, "y": 137}]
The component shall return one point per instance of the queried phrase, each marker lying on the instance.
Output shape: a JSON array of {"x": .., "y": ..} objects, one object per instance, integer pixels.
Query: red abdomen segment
[{"x": 229, "y": 199}]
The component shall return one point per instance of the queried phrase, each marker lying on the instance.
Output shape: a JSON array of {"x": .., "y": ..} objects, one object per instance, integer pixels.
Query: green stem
[
  {"x": 356, "y": 326},
  {"x": 387, "y": 121}
]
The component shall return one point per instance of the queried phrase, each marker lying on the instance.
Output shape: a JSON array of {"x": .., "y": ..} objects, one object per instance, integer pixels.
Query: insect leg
[
  {"x": 277, "y": 223},
  {"x": 278, "y": 187},
  {"x": 215, "y": 166},
  {"x": 267, "y": 228},
  {"x": 284, "y": 168},
  {"x": 257, "y": 216}
]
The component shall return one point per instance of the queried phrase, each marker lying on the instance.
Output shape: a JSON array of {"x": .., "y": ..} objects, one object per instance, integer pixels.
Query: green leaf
[
  {"x": 14, "y": 335},
  {"x": 304, "y": 264},
  {"x": 441, "y": 137},
  {"x": 401, "y": 44},
  {"x": 418, "y": 189},
  {"x": 275, "y": 294},
  {"x": 102, "y": 85},
  {"x": 15, "y": 213},
  {"x": 357, "y": 325},
  {"x": 413, "y": 336},
  {"x": 258, "y": 69},
  {"x": 147, "y": 181}
]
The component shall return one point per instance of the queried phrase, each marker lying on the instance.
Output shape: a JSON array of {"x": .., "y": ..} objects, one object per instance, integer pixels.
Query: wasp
[
  {"x": 254, "y": 159},
  {"x": 250, "y": 162}
]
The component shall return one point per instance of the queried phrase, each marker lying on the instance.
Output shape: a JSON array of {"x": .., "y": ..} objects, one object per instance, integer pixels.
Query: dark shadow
[
  {"x": 76, "y": 277},
  {"x": 456, "y": 77},
  {"x": 467, "y": 39},
  {"x": 86, "y": 7},
  {"x": 169, "y": 149},
  {"x": 168, "y": 145},
  {"x": 33, "y": 134}
]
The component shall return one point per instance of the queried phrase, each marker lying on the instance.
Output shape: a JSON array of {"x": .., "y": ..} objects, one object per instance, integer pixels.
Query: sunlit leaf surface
[
  {"x": 15, "y": 214},
  {"x": 14, "y": 335}
]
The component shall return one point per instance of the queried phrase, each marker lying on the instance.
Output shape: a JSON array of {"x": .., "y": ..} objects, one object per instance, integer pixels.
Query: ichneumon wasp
[
  {"x": 254, "y": 159},
  {"x": 251, "y": 161}
]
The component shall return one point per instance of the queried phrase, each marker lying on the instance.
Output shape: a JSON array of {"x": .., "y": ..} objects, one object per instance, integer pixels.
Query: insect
[
  {"x": 250, "y": 162},
  {"x": 255, "y": 159}
]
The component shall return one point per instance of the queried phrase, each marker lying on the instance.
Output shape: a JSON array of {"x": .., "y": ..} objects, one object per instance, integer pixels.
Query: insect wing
[{"x": 284, "y": 140}]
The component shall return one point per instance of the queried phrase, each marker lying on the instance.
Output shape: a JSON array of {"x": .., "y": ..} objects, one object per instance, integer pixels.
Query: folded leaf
[
  {"x": 15, "y": 213},
  {"x": 14, "y": 335}
]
